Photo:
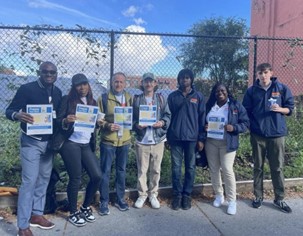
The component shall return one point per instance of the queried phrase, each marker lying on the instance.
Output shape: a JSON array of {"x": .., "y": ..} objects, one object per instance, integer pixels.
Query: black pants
[{"x": 76, "y": 156}]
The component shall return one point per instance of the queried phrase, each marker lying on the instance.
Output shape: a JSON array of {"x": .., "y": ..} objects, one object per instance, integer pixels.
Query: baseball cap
[
  {"x": 148, "y": 75},
  {"x": 79, "y": 79}
]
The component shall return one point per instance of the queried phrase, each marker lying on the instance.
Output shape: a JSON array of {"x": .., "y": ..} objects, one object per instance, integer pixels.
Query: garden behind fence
[{"x": 98, "y": 54}]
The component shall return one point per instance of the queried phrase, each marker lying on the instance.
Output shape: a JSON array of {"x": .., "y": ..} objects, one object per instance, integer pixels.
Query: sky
[
  {"x": 156, "y": 16},
  {"x": 136, "y": 55}
]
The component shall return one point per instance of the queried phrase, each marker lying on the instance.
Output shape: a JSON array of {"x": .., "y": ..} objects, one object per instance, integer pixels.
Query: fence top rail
[{"x": 83, "y": 29}]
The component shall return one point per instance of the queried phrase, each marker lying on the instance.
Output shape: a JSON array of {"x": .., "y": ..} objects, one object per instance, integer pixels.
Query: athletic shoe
[
  {"x": 77, "y": 219},
  {"x": 282, "y": 206},
  {"x": 88, "y": 214}
]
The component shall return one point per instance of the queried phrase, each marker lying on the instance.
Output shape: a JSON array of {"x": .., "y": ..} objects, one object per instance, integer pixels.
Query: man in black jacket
[
  {"x": 36, "y": 162},
  {"x": 185, "y": 135}
]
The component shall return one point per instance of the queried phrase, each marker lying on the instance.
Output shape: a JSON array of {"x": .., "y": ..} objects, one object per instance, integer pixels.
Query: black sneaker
[
  {"x": 77, "y": 219},
  {"x": 186, "y": 202},
  {"x": 282, "y": 206},
  {"x": 257, "y": 202},
  {"x": 122, "y": 205},
  {"x": 88, "y": 214},
  {"x": 104, "y": 210},
  {"x": 176, "y": 203}
]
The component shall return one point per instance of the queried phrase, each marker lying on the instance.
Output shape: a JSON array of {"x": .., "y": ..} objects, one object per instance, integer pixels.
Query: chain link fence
[{"x": 98, "y": 54}]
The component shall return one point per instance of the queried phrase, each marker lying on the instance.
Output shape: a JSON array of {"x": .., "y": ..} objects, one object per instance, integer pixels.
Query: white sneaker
[
  {"x": 232, "y": 208},
  {"x": 219, "y": 200},
  {"x": 140, "y": 202},
  {"x": 154, "y": 201}
]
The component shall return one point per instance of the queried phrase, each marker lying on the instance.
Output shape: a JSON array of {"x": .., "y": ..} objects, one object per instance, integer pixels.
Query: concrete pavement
[{"x": 201, "y": 219}]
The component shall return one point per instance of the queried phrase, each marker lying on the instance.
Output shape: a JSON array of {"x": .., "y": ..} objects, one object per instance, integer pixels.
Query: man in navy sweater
[{"x": 36, "y": 161}]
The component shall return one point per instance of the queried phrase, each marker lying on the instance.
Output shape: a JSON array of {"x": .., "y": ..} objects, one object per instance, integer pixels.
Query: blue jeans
[
  {"x": 36, "y": 166},
  {"x": 107, "y": 154},
  {"x": 178, "y": 150}
]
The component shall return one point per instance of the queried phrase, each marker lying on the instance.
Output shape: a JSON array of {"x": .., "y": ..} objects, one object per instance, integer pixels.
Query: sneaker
[
  {"x": 232, "y": 208},
  {"x": 122, "y": 205},
  {"x": 186, "y": 202},
  {"x": 257, "y": 202},
  {"x": 176, "y": 203},
  {"x": 282, "y": 206},
  {"x": 40, "y": 222},
  {"x": 104, "y": 210},
  {"x": 154, "y": 202},
  {"x": 77, "y": 219},
  {"x": 219, "y": 200},
  {"x": 140, "y": 202},
  {"x": 88, "y": 214}
]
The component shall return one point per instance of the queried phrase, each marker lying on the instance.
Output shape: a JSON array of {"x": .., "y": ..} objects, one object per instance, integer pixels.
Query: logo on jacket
[
  {"x": 235, "y": 112},
  {"x": 275, "y": 94},
  {"x": 194, "y": 100}
]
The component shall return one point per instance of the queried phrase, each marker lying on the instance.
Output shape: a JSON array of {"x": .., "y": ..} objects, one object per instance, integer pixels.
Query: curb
[{"x": 164, "y": 192}]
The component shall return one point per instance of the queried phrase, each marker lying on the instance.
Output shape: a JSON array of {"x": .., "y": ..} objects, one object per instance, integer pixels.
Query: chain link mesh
[{"x": 98, "y": 54}]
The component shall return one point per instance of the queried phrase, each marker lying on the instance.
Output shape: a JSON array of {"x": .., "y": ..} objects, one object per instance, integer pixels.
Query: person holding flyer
[
  {"x": 78, "y": 149},
  {"x": 36, "y": 161},
  {"x": 226, "y": 118},
  {"x": 150, "y": 137},
  {"x": 268, "y": 102},
  {"x": 115, "y": 140}
]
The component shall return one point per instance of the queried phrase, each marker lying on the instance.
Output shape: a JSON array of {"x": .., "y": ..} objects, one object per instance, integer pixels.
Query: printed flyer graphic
[
  {"x": 86, "y": 118},
  {"x": 43, "y": 119},
  {"x": 147, "y": 115},
  {"x": 123, "y": 116},
  {"x": 216, "y": 127}
]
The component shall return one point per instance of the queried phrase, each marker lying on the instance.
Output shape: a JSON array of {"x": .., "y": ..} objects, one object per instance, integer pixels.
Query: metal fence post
[
  {"x": 112, "y": 46},
  {"x": 255, "y": 58}
]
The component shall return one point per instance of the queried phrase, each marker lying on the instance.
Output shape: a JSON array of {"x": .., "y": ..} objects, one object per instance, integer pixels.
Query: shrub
[{"x": 10, "y": 168}]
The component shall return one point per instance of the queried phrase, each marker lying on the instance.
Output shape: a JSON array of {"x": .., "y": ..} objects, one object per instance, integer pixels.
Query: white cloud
[
  {"x": 134, "y": 54},
  {"x": 139, "y": 21},
  {"x": 149, "y": 6},
  {"x": 130, "y": 12}
]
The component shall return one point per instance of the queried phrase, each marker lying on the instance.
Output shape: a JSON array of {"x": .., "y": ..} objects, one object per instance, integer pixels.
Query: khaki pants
[
  {"x": 219, "y": 159},
  {"x": 149, "y": 158}
]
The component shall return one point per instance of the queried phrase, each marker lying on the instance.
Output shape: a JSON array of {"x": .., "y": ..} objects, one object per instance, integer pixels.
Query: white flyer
[
  {"x": 147, "y": 115},
  {"x": 43, "y": 119},
  {"x": 86, "y": 118},
  {"x": 123, "y": 116},
  {"x": 216, "y": 127}
]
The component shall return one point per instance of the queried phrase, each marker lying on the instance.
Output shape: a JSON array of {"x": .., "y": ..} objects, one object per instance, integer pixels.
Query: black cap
[{"x": 79, "y": 79}]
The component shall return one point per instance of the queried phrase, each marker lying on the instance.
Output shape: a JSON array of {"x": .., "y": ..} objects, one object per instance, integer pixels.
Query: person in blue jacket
[
  {"x": 267, "y": 103},
  {"x": 226, "y": 113},
  {"x": 185, "y": 135}
]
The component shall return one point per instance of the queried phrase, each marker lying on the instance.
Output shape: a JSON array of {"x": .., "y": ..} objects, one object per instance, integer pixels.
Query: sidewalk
[{"x": 201, "y": 219}]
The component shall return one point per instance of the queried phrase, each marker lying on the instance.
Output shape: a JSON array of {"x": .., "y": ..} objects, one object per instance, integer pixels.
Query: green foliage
[
  {"x": 222, "y": 57},
  {"x": 10, "y": 169}
]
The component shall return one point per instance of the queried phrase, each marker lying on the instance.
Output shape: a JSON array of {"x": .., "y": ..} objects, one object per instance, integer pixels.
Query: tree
[{"x": 218, "y": 51}]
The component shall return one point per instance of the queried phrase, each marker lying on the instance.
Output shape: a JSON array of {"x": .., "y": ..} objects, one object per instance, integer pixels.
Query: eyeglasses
[{"x": 46, "y": 72}]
